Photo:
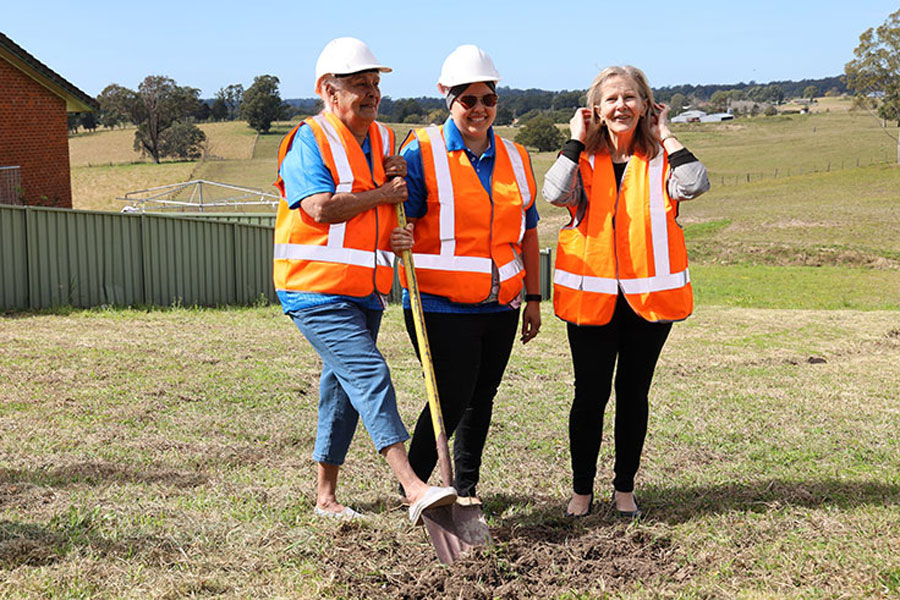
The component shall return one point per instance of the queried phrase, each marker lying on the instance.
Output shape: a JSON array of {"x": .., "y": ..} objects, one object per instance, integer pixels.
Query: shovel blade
[{"x": 455, "y": 529}]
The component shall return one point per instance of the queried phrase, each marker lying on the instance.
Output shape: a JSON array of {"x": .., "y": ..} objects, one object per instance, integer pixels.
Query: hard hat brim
[
  {"x": 453, "y": 83},
  {"x": 373, "y": 67}
]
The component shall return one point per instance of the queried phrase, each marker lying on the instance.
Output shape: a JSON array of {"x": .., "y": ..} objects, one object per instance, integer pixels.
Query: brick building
[{"x": 34, "y": 144}]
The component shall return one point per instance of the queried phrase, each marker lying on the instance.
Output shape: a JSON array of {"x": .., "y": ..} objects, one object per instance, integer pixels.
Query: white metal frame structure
[{"x": 171, "y": 197}]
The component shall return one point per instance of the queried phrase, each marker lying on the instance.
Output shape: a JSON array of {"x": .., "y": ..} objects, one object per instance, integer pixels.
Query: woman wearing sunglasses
[
  {"x": 621, "y": 275},
  {"x": 474, "y": 240}
]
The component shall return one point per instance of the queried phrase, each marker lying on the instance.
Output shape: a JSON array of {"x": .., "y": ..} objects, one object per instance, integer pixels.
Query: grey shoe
[
  {"x": 433, "y": 498},
  {"x": 348, "y": 513}
]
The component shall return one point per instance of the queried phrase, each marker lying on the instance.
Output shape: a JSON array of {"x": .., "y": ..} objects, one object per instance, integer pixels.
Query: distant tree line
[{"x": 165, "y": 114}]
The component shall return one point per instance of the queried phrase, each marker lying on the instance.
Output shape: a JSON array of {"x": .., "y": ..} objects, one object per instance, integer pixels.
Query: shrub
[{"x": 540, "y": 132}]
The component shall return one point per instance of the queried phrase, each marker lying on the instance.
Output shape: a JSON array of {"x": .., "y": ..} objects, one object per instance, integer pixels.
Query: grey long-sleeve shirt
[{"x": 563, "y": 185}]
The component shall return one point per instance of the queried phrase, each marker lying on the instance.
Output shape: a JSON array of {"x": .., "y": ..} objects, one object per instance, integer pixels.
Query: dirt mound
[{"x": 540, "y": 561}]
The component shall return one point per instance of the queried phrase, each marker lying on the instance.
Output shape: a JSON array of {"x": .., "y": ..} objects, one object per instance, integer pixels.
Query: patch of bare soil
[{"x": 540, "y": 561}]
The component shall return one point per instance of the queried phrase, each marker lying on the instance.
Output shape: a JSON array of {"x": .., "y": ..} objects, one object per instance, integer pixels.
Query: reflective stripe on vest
[
  {"x": 640, "y": 291},
  {"x": 507, "y": 156},
  {"x": 299, "y": 264}
]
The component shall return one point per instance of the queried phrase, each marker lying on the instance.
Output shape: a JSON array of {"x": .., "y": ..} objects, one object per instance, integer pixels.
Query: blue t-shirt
[
  {"x": 304, "y": 173},
  {"x": 416, "y": 206}
]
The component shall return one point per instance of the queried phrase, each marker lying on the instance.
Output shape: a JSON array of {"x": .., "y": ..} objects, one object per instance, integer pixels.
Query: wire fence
[
  {"x": 10, "y": 186},
  {"x": 724, "y": 179}
]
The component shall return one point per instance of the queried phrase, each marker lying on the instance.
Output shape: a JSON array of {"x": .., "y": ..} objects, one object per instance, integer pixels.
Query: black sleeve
[
  {"x": 572, "y": 150},
  {"x": 679, "y": 157}
]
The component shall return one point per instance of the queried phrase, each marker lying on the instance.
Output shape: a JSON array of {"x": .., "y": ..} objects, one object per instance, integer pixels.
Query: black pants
[
  {"x": 637, "y": 344},
  {"x": 470, "y": 352}
]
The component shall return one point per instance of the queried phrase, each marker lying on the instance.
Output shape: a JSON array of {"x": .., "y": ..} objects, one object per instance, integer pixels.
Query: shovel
[{"x": 454, "y": 529}]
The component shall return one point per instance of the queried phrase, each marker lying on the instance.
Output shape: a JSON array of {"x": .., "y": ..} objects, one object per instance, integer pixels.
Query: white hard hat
[
  {"x": 346, "y": 55},
  {"x": 468, "y": 64}
]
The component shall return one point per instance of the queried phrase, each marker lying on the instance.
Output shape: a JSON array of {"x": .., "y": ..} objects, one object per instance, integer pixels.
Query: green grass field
[{"x": 165, "y": 453}]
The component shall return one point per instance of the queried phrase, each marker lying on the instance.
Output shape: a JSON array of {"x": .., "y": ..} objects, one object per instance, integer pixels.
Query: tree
[
  {"x": 261, "y": 103},
  {"x": 504, "y": 116},
  {"x": 437, "y": 116},
  {"x": 231, "y": 96},
  {"x": 160, "y": 104},
  {"x": 677, "y": 104},
  {"x": 219, "y": 110},
  {"x": 89, "y": 121},
  {"x": 203, "y": 112},
  {"x": 406, "y": 107},
  {"x": 182, "y": 140},
  {"x": 116, "y": 105},
  {"x": 540, "y": 132},
  {"x": 810, "y": 92},
  {"x": 719, "y": 100},
  {"x": 876, "y": 69}
]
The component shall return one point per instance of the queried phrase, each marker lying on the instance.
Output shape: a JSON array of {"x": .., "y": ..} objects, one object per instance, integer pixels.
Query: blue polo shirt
[
  {"x": 416, "y": 206},
  {"x": 304, "y": 173}
]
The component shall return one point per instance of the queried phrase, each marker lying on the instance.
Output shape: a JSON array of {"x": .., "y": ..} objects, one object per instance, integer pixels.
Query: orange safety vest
[
  {"x": 465, "y": 231},
  {"x": 626, "y": 239},
  {"x": 352, "y": 258}
]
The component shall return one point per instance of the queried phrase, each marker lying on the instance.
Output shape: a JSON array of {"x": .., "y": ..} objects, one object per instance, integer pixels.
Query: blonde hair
[{"x": 597, "y": 138}]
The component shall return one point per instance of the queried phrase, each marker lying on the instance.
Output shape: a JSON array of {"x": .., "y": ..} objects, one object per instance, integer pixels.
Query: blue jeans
[{"x": 355, "y": 379}]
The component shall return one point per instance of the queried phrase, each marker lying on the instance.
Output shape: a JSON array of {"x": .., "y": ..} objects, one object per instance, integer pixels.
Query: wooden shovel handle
[{"x": 434, "y": 404}]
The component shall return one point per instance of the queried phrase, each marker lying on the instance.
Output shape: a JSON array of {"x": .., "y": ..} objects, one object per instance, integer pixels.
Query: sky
[{"x": 552, "y": 45}]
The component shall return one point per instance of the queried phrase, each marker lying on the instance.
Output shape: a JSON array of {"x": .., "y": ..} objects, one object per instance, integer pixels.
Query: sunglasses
[{"x": 469, "y": 102}]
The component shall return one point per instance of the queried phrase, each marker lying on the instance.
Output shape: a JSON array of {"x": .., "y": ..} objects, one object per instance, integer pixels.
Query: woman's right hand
[
  {"x": 402, "y": 239},
  {"x": 579, "y": 123}
]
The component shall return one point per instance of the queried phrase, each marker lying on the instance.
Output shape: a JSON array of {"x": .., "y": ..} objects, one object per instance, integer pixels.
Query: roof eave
[{"x": 75, "y": 99}]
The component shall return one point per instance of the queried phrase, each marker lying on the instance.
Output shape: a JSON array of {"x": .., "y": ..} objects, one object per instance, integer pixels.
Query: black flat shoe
[
  {"x": 570, "y": 515},
  {"x": 627, "y": 514}
]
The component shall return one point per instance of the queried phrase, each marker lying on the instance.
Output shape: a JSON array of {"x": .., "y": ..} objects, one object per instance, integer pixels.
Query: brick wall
[{"x": 34, "y": 137}]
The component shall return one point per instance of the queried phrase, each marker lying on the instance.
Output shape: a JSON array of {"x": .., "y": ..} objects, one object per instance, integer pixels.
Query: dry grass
[
  {"x": 104, "y": 166},
  {"x": 228, "y": 140},
  {"x": 96, "y": 188},
  {"x": 165, "y": 454}
]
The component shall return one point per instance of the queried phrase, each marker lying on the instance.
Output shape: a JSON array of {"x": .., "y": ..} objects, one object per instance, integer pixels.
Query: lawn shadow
[
  {"x": 543, "y": 518},
  {"x": 43, "y": 544},
  {"x": 97, "y": 473},
  {"x": 677, "y": 504},
  {"x": 28, "y": 544}
]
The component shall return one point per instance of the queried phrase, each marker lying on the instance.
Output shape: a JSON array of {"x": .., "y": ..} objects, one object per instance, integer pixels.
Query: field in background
[{"x": 105, "y": 165}]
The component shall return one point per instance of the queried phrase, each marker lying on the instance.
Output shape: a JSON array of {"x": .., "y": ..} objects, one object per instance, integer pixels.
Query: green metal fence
[
  {"x": 57, "y": 257},
  {"x": 262, "y": 218}
]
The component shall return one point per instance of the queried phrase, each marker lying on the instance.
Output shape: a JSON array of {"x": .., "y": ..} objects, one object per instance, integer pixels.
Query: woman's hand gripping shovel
[{"x": 453, "y": 529}]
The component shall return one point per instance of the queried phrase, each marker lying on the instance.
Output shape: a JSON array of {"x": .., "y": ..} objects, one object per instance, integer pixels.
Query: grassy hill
[{"x": 807, "y": 215}]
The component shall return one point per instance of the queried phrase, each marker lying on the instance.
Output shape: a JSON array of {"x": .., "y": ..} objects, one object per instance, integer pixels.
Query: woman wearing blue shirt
[{"x": 475, "y": 248}]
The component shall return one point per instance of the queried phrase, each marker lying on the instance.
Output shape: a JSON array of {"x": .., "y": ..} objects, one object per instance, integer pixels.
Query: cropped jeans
[{"x": 355, "y": 381}]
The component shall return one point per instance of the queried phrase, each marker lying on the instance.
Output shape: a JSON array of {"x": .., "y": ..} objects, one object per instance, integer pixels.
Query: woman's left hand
[
  {"x": 531, "y": 321},
  {"x": 659, "y": 122},
  {"x": 402, "y": 239}
]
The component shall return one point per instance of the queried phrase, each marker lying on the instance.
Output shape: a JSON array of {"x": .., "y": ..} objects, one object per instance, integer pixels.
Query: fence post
[
  {"x": 145, "y": 275},
  {"x": 546, "y": 273},
  {"x": 28, "y": 262}
]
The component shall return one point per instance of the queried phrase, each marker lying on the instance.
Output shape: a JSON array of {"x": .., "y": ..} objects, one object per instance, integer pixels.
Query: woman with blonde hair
[{"x": 621, "y": 274}]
